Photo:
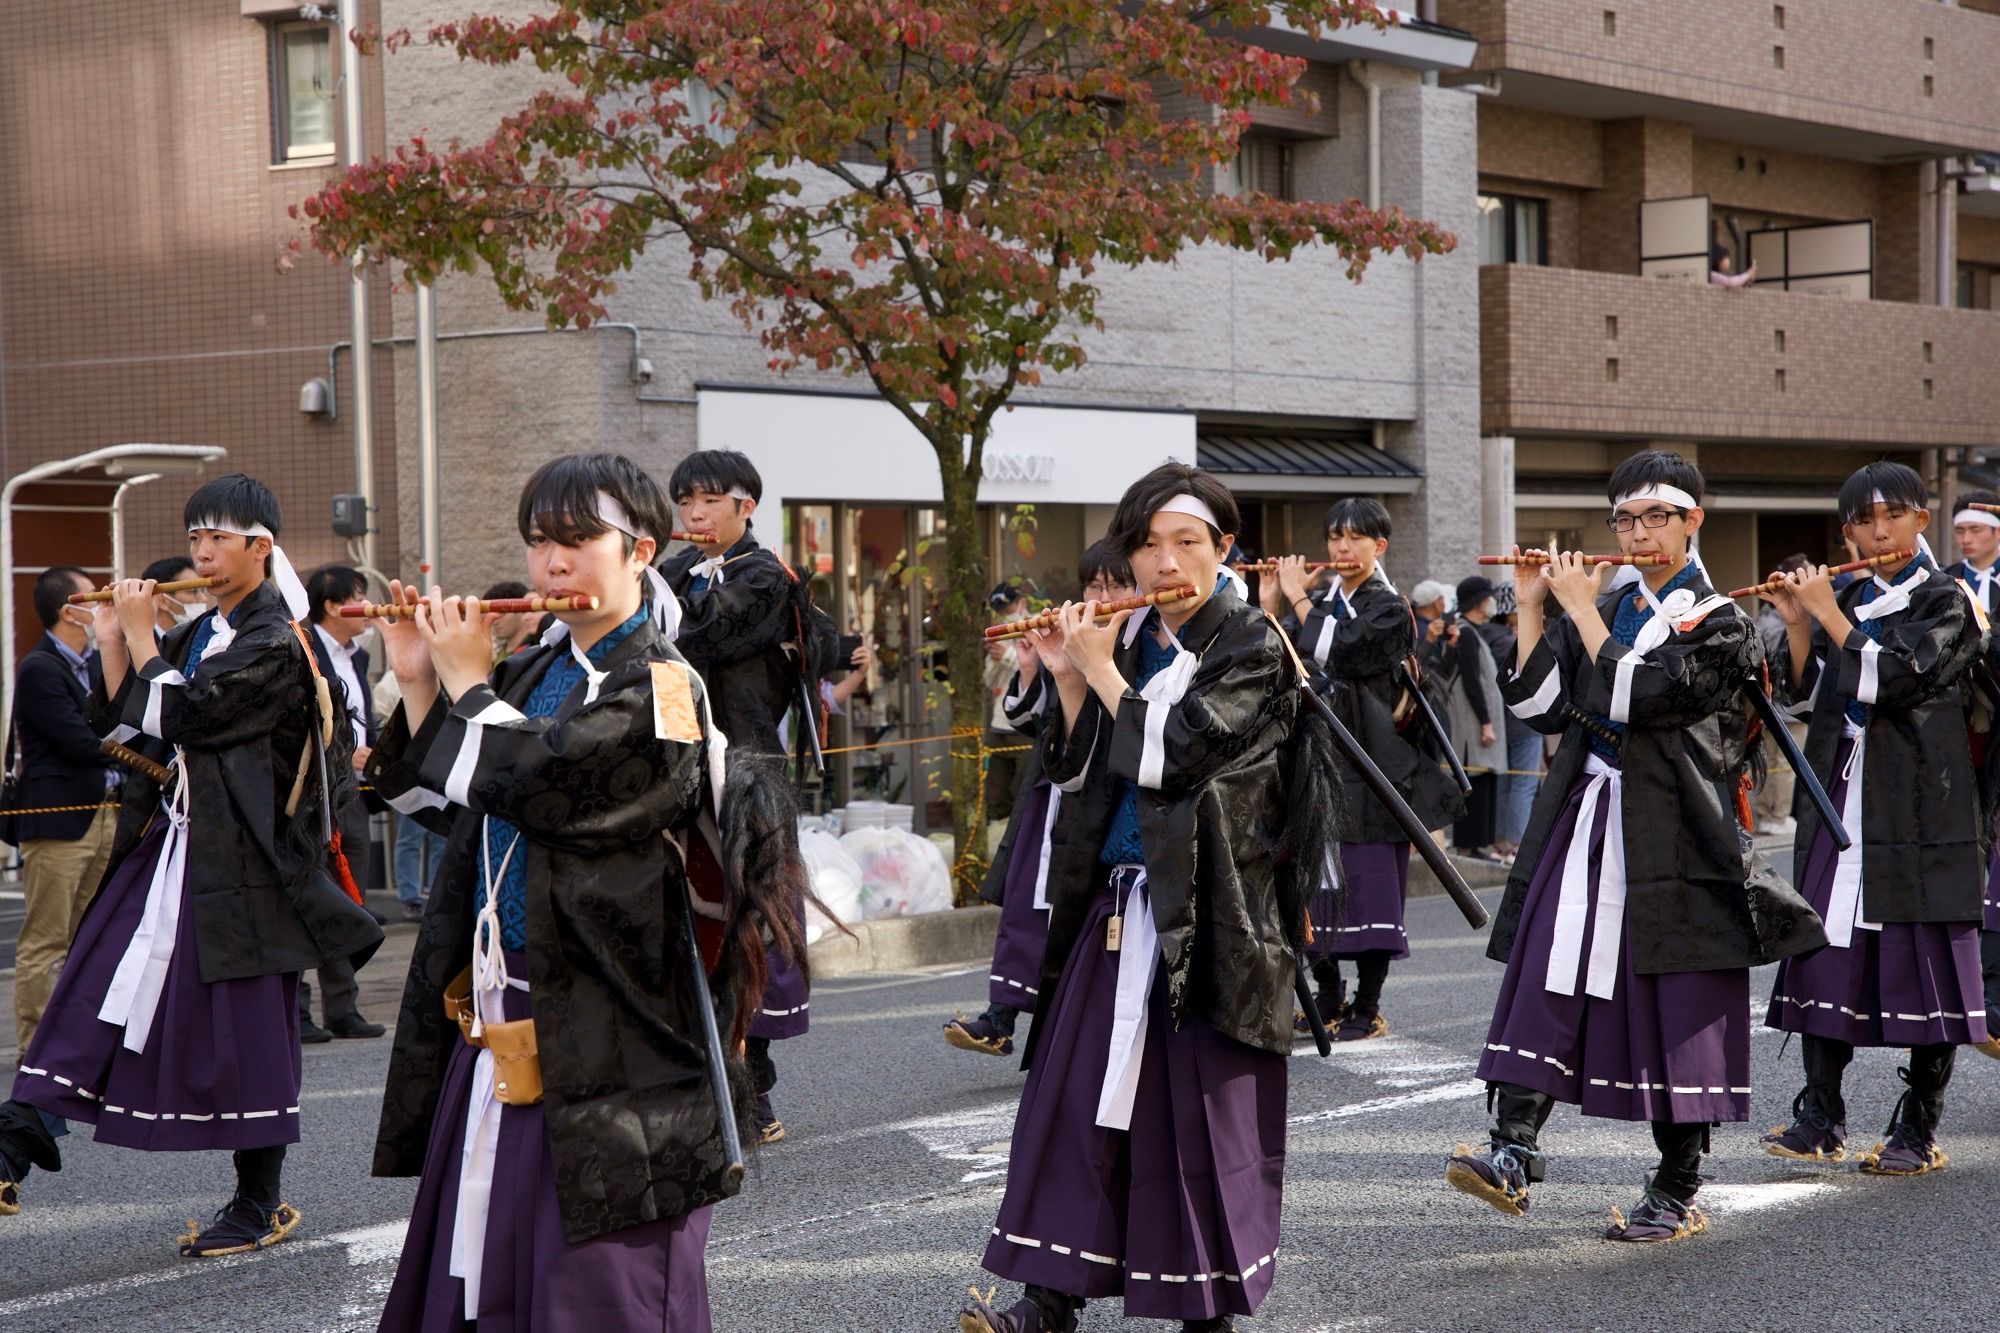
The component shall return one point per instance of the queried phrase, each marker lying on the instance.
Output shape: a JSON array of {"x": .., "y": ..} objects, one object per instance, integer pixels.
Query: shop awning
[{"x": 1321, "y": 464}]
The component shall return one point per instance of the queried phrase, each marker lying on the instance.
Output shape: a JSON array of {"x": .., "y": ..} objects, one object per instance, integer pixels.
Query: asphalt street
[{"x": 872, "y": 1215}]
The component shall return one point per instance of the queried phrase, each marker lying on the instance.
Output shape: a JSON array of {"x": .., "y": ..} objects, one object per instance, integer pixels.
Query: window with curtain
[
  {"x": 302, "y": 86},
  {"x": 1513, "y": 229}
]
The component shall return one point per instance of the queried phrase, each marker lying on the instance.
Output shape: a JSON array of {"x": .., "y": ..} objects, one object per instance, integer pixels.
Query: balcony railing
[{"x": 1571, "y": 352}]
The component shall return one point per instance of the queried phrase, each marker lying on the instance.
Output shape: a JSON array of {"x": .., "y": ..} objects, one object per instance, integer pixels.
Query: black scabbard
[
  {"x": 1303, "y": 989},
  {"x": 711, "y": 1039},
  {"x": 1399, "y": 809},
  {"x": 1431, "y": 720},
  {"x": 1774, "y": 726}
]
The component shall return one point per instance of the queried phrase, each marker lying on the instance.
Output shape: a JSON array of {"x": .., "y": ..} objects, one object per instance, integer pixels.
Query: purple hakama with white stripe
[
  {"x": 1377, "y": 875},
  {"x": 1911, "y": 983},
  {"x": 1673, "y": 1046},
  {"x": 1179, "y": 1214},
  {"x": 221, "y": 1067},
  {"x": 1023, "y": 936},
  {"x": 786, "y": 1008},
  {"x": 644, "y": 1277}
]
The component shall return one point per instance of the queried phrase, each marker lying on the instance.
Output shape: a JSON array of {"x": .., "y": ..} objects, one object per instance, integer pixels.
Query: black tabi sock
[
  {"x": 1002, "y": 1018},
  {"x": 1058, "y": 1307},
  {"x": 763, "y": 1073},
  {"x": 1518, "y": 1116},
  {"x": 25, "y": 1142},
  {"x": 1373, "y": 968},
  {"x": 1826, "y": 1062},
  {"x": 258, "y": 1172},
  {"x": 1681, "y": 1147}
]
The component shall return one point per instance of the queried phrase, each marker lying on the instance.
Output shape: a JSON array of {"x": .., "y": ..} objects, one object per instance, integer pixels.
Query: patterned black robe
[
  {"x": 631, "y": 1120},
  {"x": 734, "y": 634},
  {"x": 1697, "y": 897}
]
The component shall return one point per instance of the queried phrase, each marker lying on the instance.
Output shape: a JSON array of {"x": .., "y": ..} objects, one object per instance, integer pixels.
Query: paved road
[{"x": 872, "y": 1216}]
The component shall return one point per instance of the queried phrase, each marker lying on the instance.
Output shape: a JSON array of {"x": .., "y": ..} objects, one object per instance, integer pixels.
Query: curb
[{"x": 905, "y": 943}]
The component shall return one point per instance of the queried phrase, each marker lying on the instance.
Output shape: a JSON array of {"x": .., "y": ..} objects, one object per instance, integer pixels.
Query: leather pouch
[
  {"x": 517, "y": 1066},
  {"x": 458, "y": 1006}
]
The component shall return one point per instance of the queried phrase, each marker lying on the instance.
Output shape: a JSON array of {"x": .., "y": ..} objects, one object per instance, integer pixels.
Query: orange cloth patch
[{"x": 674, "y": 715}]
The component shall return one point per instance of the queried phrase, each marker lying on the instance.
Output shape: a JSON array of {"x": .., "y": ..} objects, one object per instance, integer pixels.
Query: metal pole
[
  {"x": 427, "y": 441},
  {"x": 354, "y": 150}
]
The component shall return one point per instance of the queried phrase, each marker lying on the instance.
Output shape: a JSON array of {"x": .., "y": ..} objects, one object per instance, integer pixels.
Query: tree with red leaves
[{"x": 919, "y": 191}]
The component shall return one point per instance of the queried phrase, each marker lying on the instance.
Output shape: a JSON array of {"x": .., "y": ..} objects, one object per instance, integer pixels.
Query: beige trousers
[{"x": 58, "y": 878}]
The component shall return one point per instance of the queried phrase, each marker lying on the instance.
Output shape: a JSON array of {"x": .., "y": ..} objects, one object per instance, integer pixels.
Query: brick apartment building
[{"x": 1783, "y": 116}]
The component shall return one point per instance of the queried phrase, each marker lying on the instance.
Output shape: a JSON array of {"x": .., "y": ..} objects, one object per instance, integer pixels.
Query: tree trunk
[{"x": 962, "y": 615}]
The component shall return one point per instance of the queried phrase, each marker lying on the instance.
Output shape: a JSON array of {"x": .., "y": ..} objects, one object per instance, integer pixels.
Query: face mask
[
  {"x": 89, "y": 628},
  {"x": 186, "y": 611}
]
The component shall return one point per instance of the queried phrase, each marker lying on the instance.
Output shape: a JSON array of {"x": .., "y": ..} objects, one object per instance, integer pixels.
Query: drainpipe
[
  {"x": 1427, "y": 12},
  {"x": 427, "y": 441},
  {"x": 1358, "y": 71},
  {"x": 357, "y": 282}
]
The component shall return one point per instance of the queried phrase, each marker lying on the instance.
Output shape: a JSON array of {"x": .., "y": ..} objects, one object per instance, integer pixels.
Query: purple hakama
[
  {"x": 1179, "y": 1214},
  {"x": 786, "y": 1008},
  {"x": 1910, "y": 983},
  {"x": 1674, "y": 1046},
  {"x": 1023, "y": 936},
  {"x": 1990, "y": 916},
  {"x": 221, "y": 1067},
  {"x": 645, "y": 1277},
  {"x": 1378, "y": 881}
]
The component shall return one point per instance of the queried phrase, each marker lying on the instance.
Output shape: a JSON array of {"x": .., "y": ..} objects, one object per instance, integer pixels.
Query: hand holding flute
[
  {"x": 104, "y": 594},
  {"x": 1778, "y": 581},
  {"x": 489, "y": 606},
  {"x": 1542, "y": 558}
]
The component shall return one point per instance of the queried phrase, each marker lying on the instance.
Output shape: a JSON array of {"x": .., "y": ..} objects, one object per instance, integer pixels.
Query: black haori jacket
[
  {"x": 1361, "y": 658},
  {"x": 1922, "y": 834},
  {"x": 258, "y": 884},
  {"x": 631, "y": 1118},
  {"x": 1026, "y": 707},
  {"x": 1697, "y": 897},
  {"x": 1211, "y": 823},
  {"x": 735, "y": 636}
]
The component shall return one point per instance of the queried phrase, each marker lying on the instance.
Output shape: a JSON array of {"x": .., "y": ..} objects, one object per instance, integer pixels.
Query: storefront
[{"x": 851, "y": 493}]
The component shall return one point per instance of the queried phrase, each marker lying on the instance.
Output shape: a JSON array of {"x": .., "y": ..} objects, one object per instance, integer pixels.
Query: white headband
[
  {"x": 1659, "y": 490},
  {"x": 1193, "y": 507},
  {"x": 1975, "y": 516},
  {"x": 282, "y": 573},
  {"x": 666, "y": 606}
]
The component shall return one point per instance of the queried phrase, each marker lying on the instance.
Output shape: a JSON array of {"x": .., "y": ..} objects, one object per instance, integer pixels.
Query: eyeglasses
[{"x": 1652, "y": 518}]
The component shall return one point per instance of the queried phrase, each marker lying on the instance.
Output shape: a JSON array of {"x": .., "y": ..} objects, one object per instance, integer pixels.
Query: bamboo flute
[
  {"x": 498, "y": 606},
  {"x": 174, "y": 585},
  {"x": 698, "y": 538},
  {"x": 1530, "y": 558},
  {"x": 1852, "y": 566},
  {"x": 1312, "y": 566},
  {"x": 1018, "y": 629}
]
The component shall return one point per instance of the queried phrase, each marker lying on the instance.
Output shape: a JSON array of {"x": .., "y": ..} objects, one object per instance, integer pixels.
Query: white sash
[
  {"x": 1843, "y": 904},
  {"x": 1138, "y": 961},
  {"x": 482, "y": 1112},
  {"x": 1573, "y": 904},
  {"x": 141, "y": 978},
  {"x": 1048, "y": 850}
]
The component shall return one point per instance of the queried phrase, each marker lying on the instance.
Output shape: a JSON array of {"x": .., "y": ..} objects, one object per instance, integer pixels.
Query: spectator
[
  {"x": 1475, "y": 714},
  {"x": 1721, "y": 272},
  {"x": 337, "y": 640},
  {"x": 1524, "y": 743},
  {"x": 512, "y": 630},
  {"x": 1978, "y": 536},
  {"x": 1437, "y": 638},
  {"x": 175, "y": 608},
  {"x": 62, "y": 855}
]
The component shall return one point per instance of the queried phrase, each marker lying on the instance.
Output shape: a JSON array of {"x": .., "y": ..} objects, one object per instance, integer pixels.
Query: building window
[
  {"x": 1263, "y": 165},
  {"x": 1975, "y": 287},
  {"x": 1513, "y": 229},
  {"x": 301, "y": 91}
]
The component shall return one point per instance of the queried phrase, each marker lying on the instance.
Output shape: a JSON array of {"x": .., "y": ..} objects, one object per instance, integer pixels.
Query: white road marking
[
  {"x": 1752, "y": 1198},
  {"x": 1467, "y": 1087}
]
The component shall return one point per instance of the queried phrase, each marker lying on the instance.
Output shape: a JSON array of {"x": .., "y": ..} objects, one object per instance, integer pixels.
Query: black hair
[
  {"x": 1133, "y": 518},
  {"x": 234, "y": 498},
  {"x": 718, "y": 471},
  {"x": 330, "y": 583},
  {"x": 1654, "y": 467},
  {"x": 506, "y": 588},
  {"x": 1359, "y": 515},
  {"x": 560, "y": 500},
  {"x": 1977, "y": 498},
  {"x": 1100, "y": 561},
  {"x": 167, "y": 568},
  {"x": 1796, "y": 560},
  {"x": 1898, "y": 483},
  {"x": 52, "y": 589}
]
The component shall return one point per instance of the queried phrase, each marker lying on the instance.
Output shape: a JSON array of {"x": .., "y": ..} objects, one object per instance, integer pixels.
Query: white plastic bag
[
  {"x": 836, "y": 881},
  {"x": 901, "y": 874}
]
